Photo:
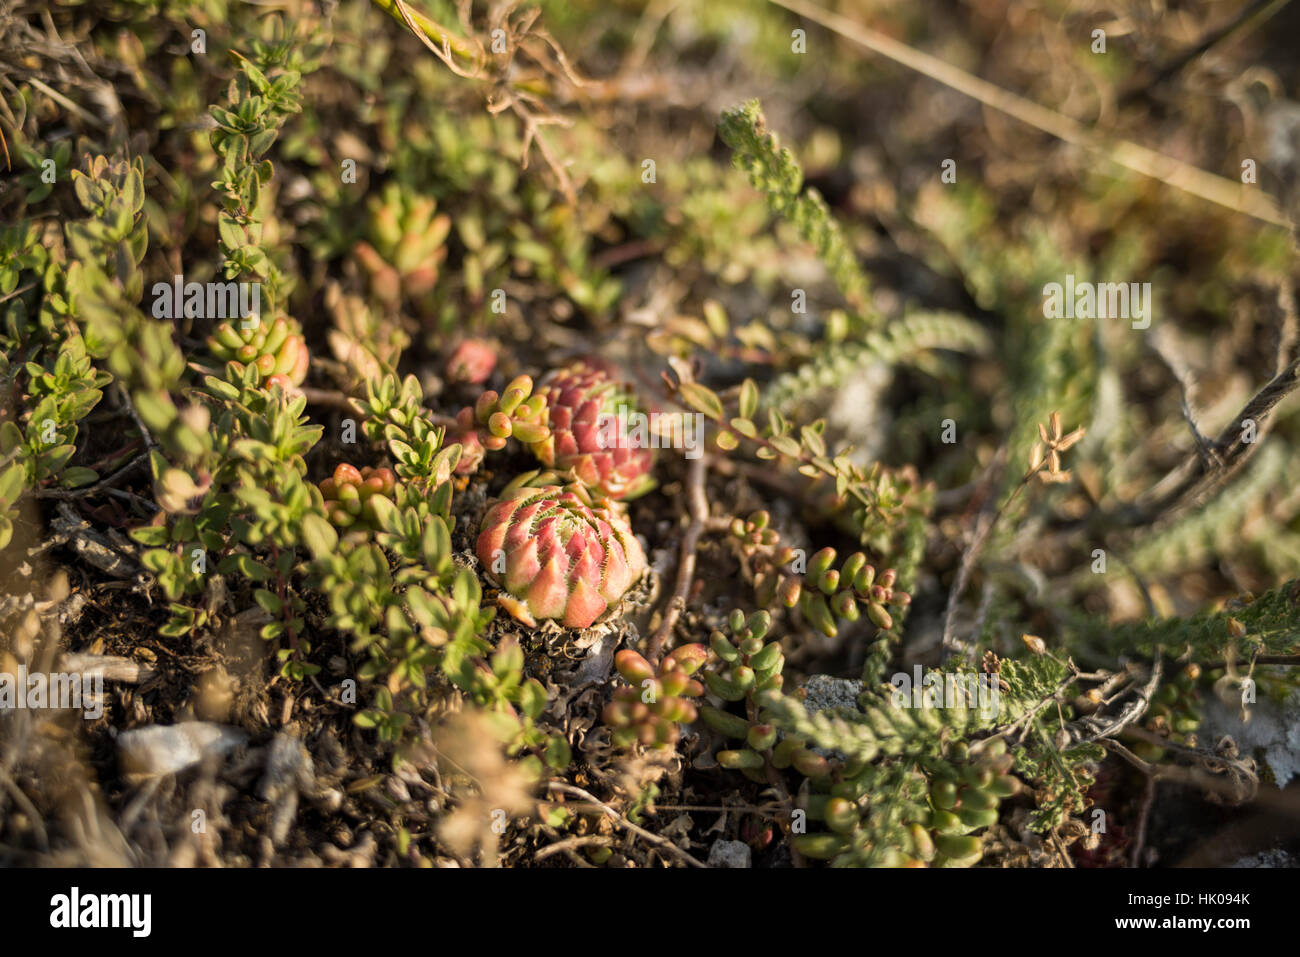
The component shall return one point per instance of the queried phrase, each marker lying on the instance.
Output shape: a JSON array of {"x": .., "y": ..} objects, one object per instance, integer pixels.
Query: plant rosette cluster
[
  {"x": 558, "y": 553},
  {"x": 823, "y": 594},
  {"x": 655, "y": 701},
  {"x": 743, "y": 666},
  {"x": 764, "y": 559},
  {"x": 965, "y": 795},
  {"x": 494, "y": 419},
  {"x": 350, "y": 495},
  {"x": 589, "y": 408},
  {"x": 827, "y": 593},
  {"x": 277, "y": 349},
  {"x": 405, "y": 244},
  {"x": 961, "y": 794}
]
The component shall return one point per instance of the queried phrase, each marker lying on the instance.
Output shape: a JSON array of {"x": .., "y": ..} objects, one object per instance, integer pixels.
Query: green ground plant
[{"x": 332, "y": 475}]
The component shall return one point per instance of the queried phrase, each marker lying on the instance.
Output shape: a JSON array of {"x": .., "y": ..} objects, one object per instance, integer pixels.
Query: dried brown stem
[
  {"x": 1289, "y": 660},
  {"x": 982, "y": 532},
  {"x": 1095, "y": 727},
  {"x": 624, "y": 823},
  {"x": 571, "y": 843},
  {"x": 1144, "y": 815},
  {"x": 697, "y": 505},
  {"x": 102, "y": 485},
  {"x": 1140, "y": 159},
  {"x": 329, "y": 397},
  {"x": 1231, "y": 448}
]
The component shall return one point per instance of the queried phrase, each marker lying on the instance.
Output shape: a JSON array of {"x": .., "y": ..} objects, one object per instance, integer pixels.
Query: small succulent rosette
[
  {"x": 826, "y": 594},
  {"x": 648, "y": 709},
  {"x": 557, "y": 553},
  {"x": 350, "y": 495},
  {"x": 485, "y": 426},
  {"x": 404, "y": 245},
  {"x": 594, "y": 429},
  {"x": 276, "y": 348}
]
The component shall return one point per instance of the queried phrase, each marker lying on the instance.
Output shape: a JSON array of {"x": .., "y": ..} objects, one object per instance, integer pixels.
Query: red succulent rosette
[
  {"x": 589, "y": 409},
  {"x": 556, "y": 554}
]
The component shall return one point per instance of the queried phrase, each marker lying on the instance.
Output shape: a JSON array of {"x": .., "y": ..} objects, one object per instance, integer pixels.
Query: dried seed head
[{"x": 1034, "y": 644}]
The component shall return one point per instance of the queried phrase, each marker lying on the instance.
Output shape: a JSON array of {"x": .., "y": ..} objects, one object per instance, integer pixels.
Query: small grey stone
[
  {"x": 822, "y": 693},
  {"x": 1273, "y": 858},
  {"x": 825, "y": 692},
  {"x": 729, "y": 854}
]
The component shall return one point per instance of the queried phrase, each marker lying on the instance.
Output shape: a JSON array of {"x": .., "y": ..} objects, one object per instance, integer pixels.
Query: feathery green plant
[{"x": 776, "y": 173}]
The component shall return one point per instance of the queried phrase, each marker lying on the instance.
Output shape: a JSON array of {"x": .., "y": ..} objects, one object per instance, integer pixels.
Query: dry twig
[
  {"x": 623, "y": 822},
  {"x": 697, "y": 504}
]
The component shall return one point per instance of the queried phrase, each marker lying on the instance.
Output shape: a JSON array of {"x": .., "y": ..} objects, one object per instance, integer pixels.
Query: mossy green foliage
[{"x": 774, "y": 171}]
